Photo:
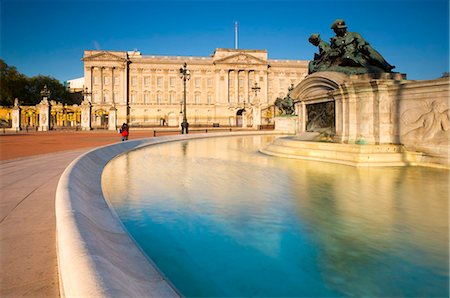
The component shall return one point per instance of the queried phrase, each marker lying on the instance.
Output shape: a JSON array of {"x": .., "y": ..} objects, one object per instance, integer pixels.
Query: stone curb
[{"x": 96, "y": 256}]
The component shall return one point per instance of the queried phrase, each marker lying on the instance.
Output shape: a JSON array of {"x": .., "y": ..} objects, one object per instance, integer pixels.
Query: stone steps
[{"x": 347, "y": 154}]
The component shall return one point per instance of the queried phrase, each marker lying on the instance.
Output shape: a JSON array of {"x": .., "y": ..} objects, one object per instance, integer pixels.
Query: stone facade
[
  {"x": 147, "y": 90},
  {"x": 386, "y": 109}
]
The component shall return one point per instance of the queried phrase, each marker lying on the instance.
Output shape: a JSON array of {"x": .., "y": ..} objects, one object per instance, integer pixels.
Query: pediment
[
  {"x": 104, "y": 56},
  {"x": 241, "y": 58}
]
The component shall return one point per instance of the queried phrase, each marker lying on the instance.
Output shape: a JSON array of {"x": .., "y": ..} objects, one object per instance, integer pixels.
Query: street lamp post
[
  {"x": 256, "y": 89},
  {"x": 185, "y": 75},
  {"x": 86, "y": 93}
]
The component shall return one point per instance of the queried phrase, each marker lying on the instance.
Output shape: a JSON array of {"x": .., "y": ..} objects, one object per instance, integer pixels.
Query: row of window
[
  {"x": 197, "y": 81},
  {"x": 147, "y": 82},
  {"x": 146, "y": 98}
]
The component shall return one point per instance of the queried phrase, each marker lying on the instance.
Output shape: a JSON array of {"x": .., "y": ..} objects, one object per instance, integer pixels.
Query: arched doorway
[{"x": 239, "y": 117}]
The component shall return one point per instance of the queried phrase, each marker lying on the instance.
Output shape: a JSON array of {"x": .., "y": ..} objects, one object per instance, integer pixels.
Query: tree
[{"x": 13, "y": 85}]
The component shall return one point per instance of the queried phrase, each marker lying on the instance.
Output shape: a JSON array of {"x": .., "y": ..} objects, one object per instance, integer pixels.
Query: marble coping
[{"x": 96, "y": 255}]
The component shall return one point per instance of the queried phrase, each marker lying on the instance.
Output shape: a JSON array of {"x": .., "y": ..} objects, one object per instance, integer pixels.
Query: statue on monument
[
  {"x": 286, "y": 104},
  {"x": 322, "y": 60},
  {"x": 347, "y": 52}
]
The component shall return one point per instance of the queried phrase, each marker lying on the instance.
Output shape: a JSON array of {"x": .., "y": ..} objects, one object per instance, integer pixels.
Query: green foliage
[{"x": 13, "y": 85}]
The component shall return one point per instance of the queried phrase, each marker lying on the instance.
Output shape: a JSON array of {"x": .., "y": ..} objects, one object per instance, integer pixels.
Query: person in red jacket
[{"x": 124, "y": 132}]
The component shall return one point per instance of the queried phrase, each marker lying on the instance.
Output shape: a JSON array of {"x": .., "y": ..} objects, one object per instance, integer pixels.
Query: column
[
  {"x": 86, "y": 115},
  {"x": 246, "y": 83},
  {"x": 112, "y": 119},
  {"x": 338, "y": 118},
  {"x": 217, "y": 92},
  {"x": 101, "y": 84},
  {"x": 227, "y": 84},
  {"x": 256, "y": 115},
  {"x": 88, "y": 78},
  {"x": 302, "y": 117},
  {"x": 236, "y": 85},
  {"x": 124, "y": 85},
  {"x": 44, "y": 115},
  {"x": 16, "y": 115},
  {"x": 113, "y": 100}
]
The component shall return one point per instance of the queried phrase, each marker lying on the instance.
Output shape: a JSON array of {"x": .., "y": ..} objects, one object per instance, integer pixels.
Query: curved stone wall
[{"x": 96, "y": 256}]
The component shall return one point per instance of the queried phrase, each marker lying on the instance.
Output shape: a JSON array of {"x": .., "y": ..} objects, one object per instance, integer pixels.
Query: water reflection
[{"x": 220, "y": 219}]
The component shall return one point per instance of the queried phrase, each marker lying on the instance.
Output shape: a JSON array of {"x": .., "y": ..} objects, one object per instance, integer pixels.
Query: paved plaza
[{"x": 30, "y": 167}]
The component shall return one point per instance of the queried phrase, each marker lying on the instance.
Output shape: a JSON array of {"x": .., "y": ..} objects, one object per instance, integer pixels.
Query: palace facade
[{"x": 232, "y": 87}]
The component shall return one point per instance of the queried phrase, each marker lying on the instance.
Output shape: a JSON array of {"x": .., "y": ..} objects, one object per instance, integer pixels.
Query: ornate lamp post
[
  {"x": 185, "y": 75},
  {"x": 86, "y": 93},
  {"x": 256, "y": 89}
]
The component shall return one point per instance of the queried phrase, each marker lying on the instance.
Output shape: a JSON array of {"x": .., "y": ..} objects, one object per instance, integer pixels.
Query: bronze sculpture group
[{"x": 347, "y": 52}]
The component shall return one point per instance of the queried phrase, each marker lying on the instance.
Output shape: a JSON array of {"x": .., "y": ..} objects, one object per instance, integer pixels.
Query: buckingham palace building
[{"x": 232, "y": 87}]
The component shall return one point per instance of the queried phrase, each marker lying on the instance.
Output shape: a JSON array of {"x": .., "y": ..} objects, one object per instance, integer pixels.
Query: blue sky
[{"x": 49, "y": 37}]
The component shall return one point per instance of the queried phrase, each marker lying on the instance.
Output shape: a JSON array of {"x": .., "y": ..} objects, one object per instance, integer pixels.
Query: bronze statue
[
  {"x": 348, "y": 52},
  {"x": 321, "y": 61},
  {"x": 286, "y": 104}
]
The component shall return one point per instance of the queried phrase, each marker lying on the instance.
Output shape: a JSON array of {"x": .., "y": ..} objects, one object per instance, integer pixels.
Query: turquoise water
[{"x": 220, "y": 219}]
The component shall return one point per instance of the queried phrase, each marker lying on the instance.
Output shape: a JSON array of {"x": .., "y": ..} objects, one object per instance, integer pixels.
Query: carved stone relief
[{"x": 428, "y": 124}]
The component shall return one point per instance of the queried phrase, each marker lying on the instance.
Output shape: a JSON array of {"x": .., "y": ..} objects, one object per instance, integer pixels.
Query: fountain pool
[{"x": 220, "y": 219}]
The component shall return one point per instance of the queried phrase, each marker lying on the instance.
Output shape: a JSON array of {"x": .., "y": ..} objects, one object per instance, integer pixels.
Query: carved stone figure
[
  {"x": 322, "y": 60},
  {"x": 430, "y": 127},
  {"x": 348, "y": 52}
]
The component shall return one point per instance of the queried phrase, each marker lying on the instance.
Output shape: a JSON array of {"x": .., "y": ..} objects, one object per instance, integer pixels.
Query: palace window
[
  {"x": 281, "y": 83},
  {"x": 106, "y": 80},
  {"x": 171, "y": 98},
  {"x": 146, "y": 101},
  {"x": 95, "y": 97},
  {"x": 133, "y": 98},
  {"x": 172, "y": 82},
  {"x": 105, "y": 97},
  {"x": 146, "y": 81},
  {"x": 197, "y": 99},
  {"x": 209, "y": 98},
  {"x": 133, "y": 81},
  {"x": 159, "y": 81},
  {"x": 158, "y": 98},
  {"x": 197, "y": 82},
  {"x": 209, "y": 82},
  {"x": 95, "y": 80},
  {"x": 116, "y": 81}
]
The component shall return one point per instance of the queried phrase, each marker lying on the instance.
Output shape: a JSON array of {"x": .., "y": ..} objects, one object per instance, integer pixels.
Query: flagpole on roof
[{"x": 236, "y": 35}]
